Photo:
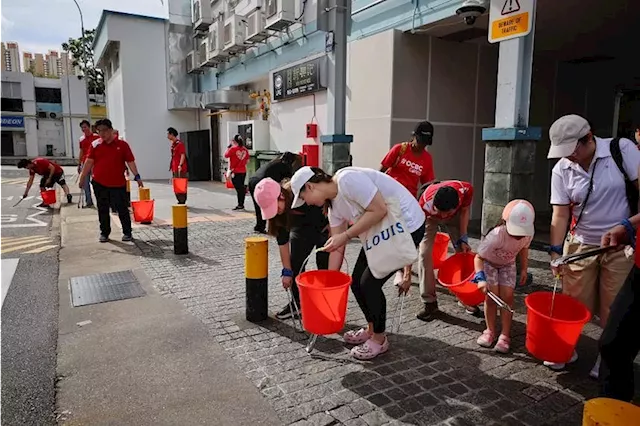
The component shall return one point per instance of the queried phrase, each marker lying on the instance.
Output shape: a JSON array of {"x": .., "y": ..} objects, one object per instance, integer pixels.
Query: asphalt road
[{"x": 30, "y": 306}]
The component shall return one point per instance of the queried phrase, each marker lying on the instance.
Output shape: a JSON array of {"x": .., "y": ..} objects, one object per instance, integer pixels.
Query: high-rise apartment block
[
  {"x": 10, "y": 56},
  {"x": 51, "y": 64}
]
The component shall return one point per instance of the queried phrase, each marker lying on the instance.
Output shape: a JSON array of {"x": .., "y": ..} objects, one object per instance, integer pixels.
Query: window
[
  {"x": 48, "y": 95},
  {"x": 11, "y": 90},
  {"x": 11, "y": 105}
]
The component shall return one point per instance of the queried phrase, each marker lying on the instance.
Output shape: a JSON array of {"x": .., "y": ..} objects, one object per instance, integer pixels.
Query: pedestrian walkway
[{"x": 27, "y": 245}]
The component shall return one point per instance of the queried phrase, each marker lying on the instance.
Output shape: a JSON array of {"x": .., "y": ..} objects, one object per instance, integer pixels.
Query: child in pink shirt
[{"x": 495, "y": 266}]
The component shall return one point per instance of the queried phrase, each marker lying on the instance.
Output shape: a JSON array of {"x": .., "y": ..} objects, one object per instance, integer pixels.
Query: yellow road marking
[
  {"x": 6, "y": 242},
  {"x": 11, "y": 249},
  {"x": 40, "y": 249}
]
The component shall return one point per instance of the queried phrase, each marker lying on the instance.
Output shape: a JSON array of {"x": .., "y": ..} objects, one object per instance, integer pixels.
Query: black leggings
[
  {"x": 368, "y": 289},
  {"x": 261, "y": 224},
  {"x": 238, "y": 184},
  {"x": 303, "y": 240},
  {"x": 620, "y": 342}
]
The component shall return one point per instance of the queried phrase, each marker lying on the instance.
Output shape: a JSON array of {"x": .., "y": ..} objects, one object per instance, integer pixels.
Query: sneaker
[
  {"x": 42, "y": 205},
  {"x": 69, "y": 198},
  {"x": 427, "y": 314},
  {"x": 486, "y": 339},
  {"x": 470, "y": 310},
  {"x": 127, "y": 238},
  {"x": 370, "y": 349},
  {"x": 559, "y": 365},
  {"x": 236, "y": 208},
  {"x": 259, "y": 230},
  {"x": 103, "y": 238},
  {"x": 286, "y": 313},
  {"x": 88, "y": 206},
  {"x": 356, "y": 337},
  {"x": 504, "y": 344},
  {"x": 595, "y": 371}
]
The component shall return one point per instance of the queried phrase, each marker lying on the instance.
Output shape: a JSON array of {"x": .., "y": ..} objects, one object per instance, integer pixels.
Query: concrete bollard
[
  {"x": 256, "y": 257},
  {"x": 144, "y": 194},
  {"x": 180, "y": 237},
  {"x": 606, "y": 411}
]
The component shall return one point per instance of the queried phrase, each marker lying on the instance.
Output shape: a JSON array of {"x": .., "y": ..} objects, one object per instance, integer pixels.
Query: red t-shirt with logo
[
  {"x": 238, "y": 157},
  {"x": 411, "y": 169},
  {"x": 177, "y": 149},
  {"x": 42, "y": 167},
  {"x": 465, "y": 195},
  {"x": 85, "y": 143},
  {"x": 109, "y": 161}
]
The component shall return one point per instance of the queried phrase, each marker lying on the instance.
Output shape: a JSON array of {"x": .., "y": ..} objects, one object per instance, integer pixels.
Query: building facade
[
  {"x": 10, "y": 56},
  {"x": 41, "y": 116}
]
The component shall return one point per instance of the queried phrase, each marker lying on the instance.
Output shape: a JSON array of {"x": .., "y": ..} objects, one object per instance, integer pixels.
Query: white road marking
[
  {"x": 9, "y": 267},
  {"x": 31, "y": 218}
]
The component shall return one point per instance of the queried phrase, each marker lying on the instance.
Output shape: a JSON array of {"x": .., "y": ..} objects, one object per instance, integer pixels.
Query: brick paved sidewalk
[{"x": 434, "y": 373}]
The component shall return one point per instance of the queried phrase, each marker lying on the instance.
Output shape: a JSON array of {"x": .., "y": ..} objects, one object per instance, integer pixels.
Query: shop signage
[
  {"x": 12, "y": 121},
  {"x": 510, "y": 19},
  {"x": 298, "y": 80}
]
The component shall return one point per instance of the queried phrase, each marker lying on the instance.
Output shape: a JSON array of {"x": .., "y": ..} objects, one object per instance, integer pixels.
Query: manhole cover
[{"x": 99, "y": 288}]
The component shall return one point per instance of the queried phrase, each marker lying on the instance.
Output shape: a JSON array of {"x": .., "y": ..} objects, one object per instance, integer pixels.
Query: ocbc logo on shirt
[{"x": 414, "y": 168}]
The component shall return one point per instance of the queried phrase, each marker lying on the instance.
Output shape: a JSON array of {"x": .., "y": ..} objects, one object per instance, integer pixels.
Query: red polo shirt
[
  {"x": 177, "y": 149},
  {"x": 109, "y": 161},
  {"x": 408, "y": 168},
  {"x": 42, "y": 167},
  {"x": 465, "y": 195},
  {"x": 85, "y": 143}
]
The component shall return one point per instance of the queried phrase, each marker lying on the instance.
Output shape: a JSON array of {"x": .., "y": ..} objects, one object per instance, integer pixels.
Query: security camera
[{"x": 471, "y": 9}]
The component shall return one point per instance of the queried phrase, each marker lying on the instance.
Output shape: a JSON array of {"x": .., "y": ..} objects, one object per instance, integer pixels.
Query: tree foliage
[{"x": 82, "y": 52}]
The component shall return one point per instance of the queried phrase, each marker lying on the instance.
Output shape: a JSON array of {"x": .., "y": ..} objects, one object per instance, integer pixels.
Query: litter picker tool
[
  {"x": 19, "y": 201},
  {"x": 571, "y": 258},
  {"x": 397, "y": 320},
  {"x": 498, "y": 301},
  {"x": 80, "y": 199}
]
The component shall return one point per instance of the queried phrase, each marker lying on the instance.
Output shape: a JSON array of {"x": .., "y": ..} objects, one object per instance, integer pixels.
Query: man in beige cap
[{"x": 589, "y": 189}]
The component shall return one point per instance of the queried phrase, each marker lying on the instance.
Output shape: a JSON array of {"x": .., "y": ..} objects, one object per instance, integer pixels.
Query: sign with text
[
  {"x": 510, "y": 19},
  {"x": 12, "y": 121},
  {"x": 299, "y": 80}
]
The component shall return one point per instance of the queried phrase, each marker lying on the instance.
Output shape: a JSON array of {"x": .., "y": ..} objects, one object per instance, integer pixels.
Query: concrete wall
[{"x": 115, "y": 102}]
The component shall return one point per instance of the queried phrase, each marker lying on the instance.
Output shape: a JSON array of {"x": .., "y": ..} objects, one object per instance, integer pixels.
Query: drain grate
[{"x": 100, "y": 288}]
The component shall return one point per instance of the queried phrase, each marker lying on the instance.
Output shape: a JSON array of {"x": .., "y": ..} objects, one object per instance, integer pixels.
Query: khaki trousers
[
  {"x": 595, "y": 281},
  {"x": 425, "y": 267}
]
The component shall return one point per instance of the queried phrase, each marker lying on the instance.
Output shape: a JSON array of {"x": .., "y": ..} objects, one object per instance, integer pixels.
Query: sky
[{"x": 42, "y": 25}]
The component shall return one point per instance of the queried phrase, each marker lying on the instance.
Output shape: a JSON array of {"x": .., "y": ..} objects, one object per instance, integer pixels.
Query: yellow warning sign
[{"x": 510, "y": 26}]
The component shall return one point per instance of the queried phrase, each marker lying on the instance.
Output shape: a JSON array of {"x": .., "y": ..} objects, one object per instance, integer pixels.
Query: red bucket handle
[{"x": 314, "y": 251}]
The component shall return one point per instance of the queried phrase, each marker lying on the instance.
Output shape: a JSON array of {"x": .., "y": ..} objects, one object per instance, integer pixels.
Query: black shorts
[{"x": 56, "y": 178}]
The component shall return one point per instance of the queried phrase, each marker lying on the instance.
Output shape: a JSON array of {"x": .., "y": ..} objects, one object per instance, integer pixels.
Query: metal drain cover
[{"x": 99, "y": 288}]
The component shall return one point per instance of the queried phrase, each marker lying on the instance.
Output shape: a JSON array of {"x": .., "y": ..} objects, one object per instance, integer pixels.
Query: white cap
[
  {"x": 564, "y": 134},
  {"x": 298, "y": 180},
  {"x": 519, "y": 216}
]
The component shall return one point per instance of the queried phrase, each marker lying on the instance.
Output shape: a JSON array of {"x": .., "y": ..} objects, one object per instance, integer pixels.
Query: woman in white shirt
[
  {"x": 358, "y": 195},
  {"x": 589, "y": 197}
]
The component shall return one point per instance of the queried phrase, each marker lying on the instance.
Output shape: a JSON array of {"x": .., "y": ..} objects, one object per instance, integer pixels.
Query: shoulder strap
[
  {"x": 403, "y": 149},
  {"x": 617, "y": 156},
  {"x": 586, "y": 199}
]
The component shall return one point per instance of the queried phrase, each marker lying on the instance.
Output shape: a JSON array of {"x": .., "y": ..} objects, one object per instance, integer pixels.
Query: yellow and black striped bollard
[
  {"x": 180, "y": 237},
  {"x": 256, "y": 257}
]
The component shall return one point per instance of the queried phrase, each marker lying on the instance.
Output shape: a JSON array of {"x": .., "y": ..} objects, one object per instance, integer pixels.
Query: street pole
[
  {"x": 86, "y": 79},
  {"x": 334, "y": 18}
]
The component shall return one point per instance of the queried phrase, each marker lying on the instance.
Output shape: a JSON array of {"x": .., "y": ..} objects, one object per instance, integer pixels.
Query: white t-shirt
[
  {"x": 356, "y": 188},
  {"x": 500, "y": 249},
  {"x": 607, "y": 204}
]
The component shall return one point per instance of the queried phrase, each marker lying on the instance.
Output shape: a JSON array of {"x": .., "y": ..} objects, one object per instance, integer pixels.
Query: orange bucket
[
  {"x": 228, "y": 183},
  {"x": 440, "y": 247},
  {"x": 143, "y": 211},
  {"x": 553, "y": 338},
  {"x": 48, "y": 196},
  {"x": 180, "y": 185},
  {"x": 323, "y": 300},
  {"x": 456, "y": 274}
]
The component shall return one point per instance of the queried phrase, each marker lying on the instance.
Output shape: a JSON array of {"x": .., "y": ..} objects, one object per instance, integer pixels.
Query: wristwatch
[{"x": 554, "y": 249}]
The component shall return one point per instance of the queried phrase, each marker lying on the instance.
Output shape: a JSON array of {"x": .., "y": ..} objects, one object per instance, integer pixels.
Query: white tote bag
[{"x": 388, "y": 244}]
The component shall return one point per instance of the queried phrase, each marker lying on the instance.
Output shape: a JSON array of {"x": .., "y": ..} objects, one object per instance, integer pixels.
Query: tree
[{"x": 82, "y": 52}]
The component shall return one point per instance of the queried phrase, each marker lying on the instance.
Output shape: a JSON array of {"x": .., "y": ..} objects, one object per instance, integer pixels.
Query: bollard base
[
  {"x": 182, "y": 198},
  {"x": 180, "y": 241},
  {"x": 257, "y": 303}
]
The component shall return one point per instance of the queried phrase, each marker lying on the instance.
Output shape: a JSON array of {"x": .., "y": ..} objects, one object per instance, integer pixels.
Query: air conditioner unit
[
  {"x": 201, "y": 14},
  {"x": 280, "y": 14},
  {"x": 203, "y": 49},
  {"x": 53, "y": 115},
  {"x": 42, "y": 114},
  {"x": 215, "y": 43},
  {"x": 192, "y": 62},
  {"x": 244, "y": 7},
  {"x": 256, "y": 22},
  {"x": 234, "y": 34}
]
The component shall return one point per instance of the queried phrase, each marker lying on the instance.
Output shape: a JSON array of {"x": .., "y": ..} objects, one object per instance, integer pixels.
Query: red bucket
[
  {"x": 440, "y": 247},
  {"x": 143, "y": 211},
  {"x": 48, "y": 196},
  {"x": 323, "y": 300},
  {"x": 553, "y": 338},
  {"x": 228, "y": 183},
  {"x": 180, "y": 185},
  {"x": 456, "y": 274}
]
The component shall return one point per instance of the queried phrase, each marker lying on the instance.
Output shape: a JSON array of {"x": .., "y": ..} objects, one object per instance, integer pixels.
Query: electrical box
[{"x": 312, "y": 130}]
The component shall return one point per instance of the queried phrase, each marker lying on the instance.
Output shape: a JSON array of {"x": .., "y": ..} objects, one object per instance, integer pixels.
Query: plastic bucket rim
[
  {"x": 465, "y": 280},
  {"x": 563, "y": 321},
  {"x": 306, "y": 285}
]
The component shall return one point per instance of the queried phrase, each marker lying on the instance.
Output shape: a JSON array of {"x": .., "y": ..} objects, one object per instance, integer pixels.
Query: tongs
[
  {"x": 501, "y": 303},
  {"x": 398, "y": 318},
  {"x": 571, "y": 258}
]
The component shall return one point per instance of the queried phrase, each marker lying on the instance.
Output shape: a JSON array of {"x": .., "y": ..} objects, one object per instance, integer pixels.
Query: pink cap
[{"x": 266, "y": 193}]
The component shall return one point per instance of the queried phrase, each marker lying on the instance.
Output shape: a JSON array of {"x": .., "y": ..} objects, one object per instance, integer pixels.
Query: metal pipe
[
  {"x": 85, "y": 64},
  {"x": 239, "y": 111},
  {"x": 367, "y": 7}
]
